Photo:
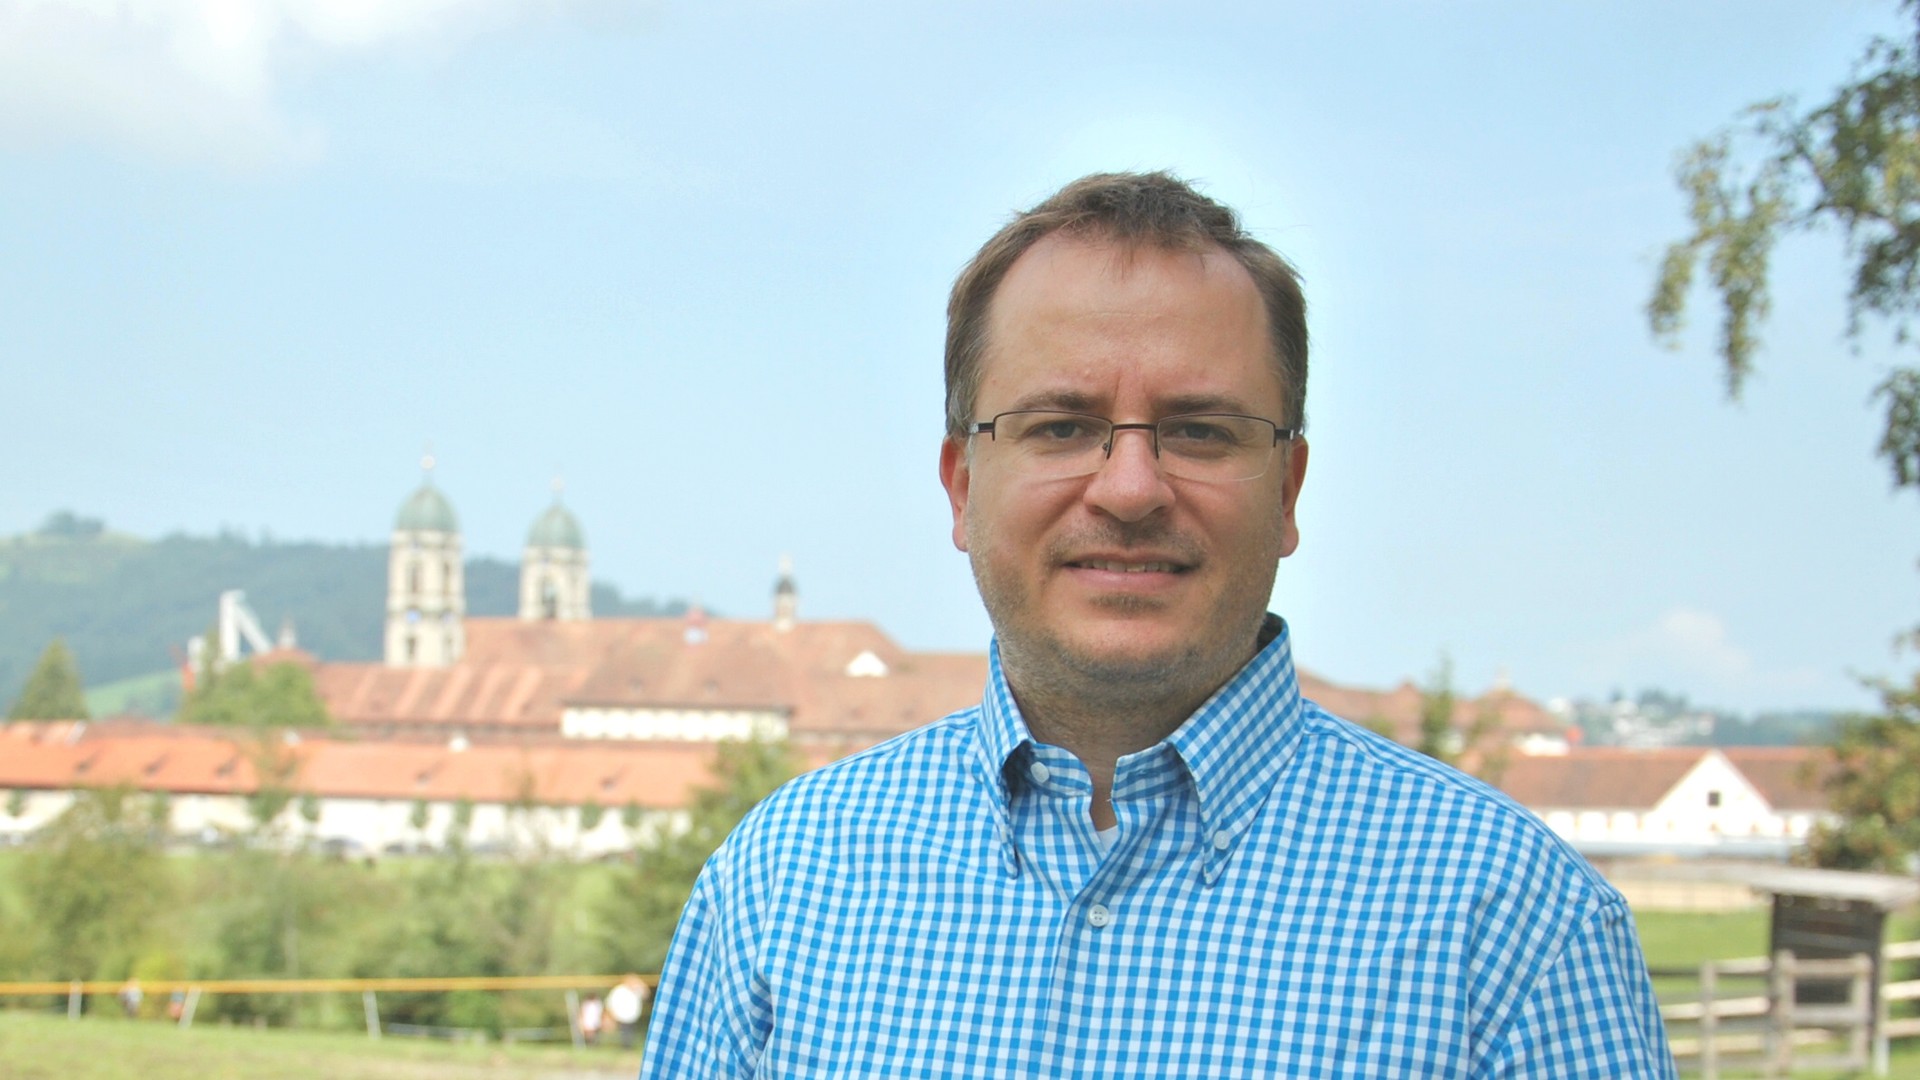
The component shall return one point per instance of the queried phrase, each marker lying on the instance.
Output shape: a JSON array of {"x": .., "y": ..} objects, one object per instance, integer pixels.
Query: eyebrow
[{"x": 1081, "y": 402}]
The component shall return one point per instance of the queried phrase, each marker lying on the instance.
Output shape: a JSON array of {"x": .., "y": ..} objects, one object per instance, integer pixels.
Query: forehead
[{"x": 1089, "y": 322}]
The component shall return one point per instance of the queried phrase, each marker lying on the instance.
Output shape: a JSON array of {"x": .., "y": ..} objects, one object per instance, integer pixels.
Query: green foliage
[
  {"x": 1437, "y": 738},
  {"x": 637, "y": 916},
  {"x": 54, "y": 690},
  {"x": 93, "y": 889},
  {"x": 591, "y": 813},
  {"x": 459, "y": 917},
  {"x": 1875, "y": 789},
  {"x": 262, "y": 911},
  {"x": 258, "y": 696},
  {"x": 16, "y": 802},
  {"x": 274, "y": 914},
  {"x": 1853, "y": 162},
  {"x": 127, "y": 604},
  {"x": 1479, "y": 747}
]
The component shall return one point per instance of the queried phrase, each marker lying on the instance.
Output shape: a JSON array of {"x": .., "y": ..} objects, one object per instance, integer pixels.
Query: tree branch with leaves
[{"x": 1851, "y": 163}]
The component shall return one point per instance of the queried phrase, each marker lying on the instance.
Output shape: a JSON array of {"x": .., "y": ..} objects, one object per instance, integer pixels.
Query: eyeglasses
[{"x": 1215, "y": 447}]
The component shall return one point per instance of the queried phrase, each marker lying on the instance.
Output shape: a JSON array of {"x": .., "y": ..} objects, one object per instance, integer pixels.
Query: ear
[
  {"x": 1296, "y": 475},
  {"x": 955, "y": 475}
]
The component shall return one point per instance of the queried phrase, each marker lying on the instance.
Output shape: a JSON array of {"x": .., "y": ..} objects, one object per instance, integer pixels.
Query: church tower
[
  {"x": 553, "y": 570},
  {"x": 426, "y": 583}
]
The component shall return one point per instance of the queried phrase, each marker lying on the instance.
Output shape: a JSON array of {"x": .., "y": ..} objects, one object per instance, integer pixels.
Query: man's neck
[{"x": 1100, "y": 721}]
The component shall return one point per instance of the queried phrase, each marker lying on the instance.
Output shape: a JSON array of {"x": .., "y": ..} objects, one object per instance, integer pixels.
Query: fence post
[
  {"x": 372, "y": 1008},
  {"x": 1861, "y": 995},
  {"x": 193, "y": 1002},
  {"x": 1880, "y": 1063},
  {"x": 573, "y": 1019},
  {"x": 73, "y": 1001},
  {"x": 1780, "y": 989},
  {"x": 1709, "y": 1024}
]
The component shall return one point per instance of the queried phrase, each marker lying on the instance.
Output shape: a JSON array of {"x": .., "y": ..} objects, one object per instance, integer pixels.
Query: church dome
[
  {"x": 426, "y": 510},
  {"x": 557, "y": 528}
]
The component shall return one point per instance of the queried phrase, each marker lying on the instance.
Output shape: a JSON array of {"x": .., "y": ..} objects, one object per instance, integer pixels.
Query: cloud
[
  {"x": 197, "y": 80},
  {"x": 1690, "y": 650}
]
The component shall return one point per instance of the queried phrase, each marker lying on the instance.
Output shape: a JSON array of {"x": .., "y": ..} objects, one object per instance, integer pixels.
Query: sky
[{"x": 255, "y": 258}]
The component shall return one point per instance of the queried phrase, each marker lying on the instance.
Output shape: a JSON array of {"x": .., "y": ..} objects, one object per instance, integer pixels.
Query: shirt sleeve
[
  {"x": 710, "y": 1016},
  {"x": 1590, "y": 1014}
]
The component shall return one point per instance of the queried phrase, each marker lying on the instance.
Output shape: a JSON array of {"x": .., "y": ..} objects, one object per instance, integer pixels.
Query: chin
[{"x": 1131, "y": 662}]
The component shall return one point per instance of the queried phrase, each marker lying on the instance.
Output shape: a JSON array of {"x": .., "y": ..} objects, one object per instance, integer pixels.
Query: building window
[
  {"x": 413, "y": 648},
  {"x": 413, "y": 578},
  {"x": 1713, "y": 798}
]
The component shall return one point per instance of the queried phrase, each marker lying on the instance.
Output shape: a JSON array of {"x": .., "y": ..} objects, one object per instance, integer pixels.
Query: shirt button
[
  {"x": 1221, "y": 841},
  {"x": 1097, "y": 916},
  {"x": 1040, "y": 773}
]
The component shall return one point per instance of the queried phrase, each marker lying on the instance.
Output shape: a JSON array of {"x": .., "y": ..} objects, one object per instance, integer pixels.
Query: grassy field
[{"x": 44, "y": 1046}]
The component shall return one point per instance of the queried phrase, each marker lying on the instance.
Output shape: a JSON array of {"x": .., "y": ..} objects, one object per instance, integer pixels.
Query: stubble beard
[{"x": 1048, "y": 672}]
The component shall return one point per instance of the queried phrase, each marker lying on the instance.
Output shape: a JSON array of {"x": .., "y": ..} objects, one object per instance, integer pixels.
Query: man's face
[{"x": 1128, "y": 575}]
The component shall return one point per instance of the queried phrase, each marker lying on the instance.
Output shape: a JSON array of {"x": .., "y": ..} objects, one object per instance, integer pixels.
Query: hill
[{"x": 125, "y": 605}]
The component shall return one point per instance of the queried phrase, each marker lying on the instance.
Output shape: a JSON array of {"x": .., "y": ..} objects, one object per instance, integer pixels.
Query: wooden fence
[
  {"x": 369, "y": 990},
  {"x": 1751, "y": 1015}
]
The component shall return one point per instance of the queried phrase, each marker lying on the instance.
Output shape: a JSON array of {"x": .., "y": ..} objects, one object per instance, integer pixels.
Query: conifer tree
[{"x": 54, "y": 690}]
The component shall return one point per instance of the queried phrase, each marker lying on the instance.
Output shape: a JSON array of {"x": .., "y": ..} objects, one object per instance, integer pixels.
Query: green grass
[
  {"x": 1683, "y": 940},
  {"x": 154, "y": 694},
  {"x": 45, "y": 1046}
]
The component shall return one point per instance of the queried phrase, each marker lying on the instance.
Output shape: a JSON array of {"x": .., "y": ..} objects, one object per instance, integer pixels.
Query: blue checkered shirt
[{"x": 1288, "y": 895}]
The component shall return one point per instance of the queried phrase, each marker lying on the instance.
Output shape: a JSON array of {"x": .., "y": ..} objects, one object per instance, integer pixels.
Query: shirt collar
[
  {"x": 1235, "y": 743},
  {"x": 1232, "y": 745}
]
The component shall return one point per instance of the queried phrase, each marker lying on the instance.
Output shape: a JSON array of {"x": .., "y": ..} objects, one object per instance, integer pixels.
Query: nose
[{"x": 1129, "y": 485}]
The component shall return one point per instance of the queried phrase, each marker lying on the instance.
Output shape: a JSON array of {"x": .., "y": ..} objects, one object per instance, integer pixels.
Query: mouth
[{"x": 1128, "y": 566}]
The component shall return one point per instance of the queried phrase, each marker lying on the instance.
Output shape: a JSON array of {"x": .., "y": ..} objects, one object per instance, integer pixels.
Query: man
[{"x": 1143, "y": 854}]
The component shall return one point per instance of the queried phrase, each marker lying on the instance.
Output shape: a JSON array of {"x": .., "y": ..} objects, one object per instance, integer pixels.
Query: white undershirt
[{"x": 1107, "y": 837}]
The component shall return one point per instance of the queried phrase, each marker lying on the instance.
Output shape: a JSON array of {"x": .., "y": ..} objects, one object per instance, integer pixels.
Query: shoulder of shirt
[{"x": 1497, "y": 813}]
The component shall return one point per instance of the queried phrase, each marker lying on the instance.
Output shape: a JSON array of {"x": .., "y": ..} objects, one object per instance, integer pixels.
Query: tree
[
  {"x": 54, "y": 690},
  {"x": 94, "y": 886},
  {"x": 1437, "y": 738},
  {"x": 1874, "y": 787},
  {"x": 637, "y": 916},
  {"x": 1479, "y": 747},
  {"x": 250, "y": 695},
  {"x": 1851, "y": 162}
]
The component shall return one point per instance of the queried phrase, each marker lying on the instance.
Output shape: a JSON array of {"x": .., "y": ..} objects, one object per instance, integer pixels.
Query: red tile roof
[
  {"x": 183, "y": 760},
  {"x": 1787, "y": 776},
  {"x": 520, "y": 676},
  {"x": 1615, "y": 778},
  {"x": 1601, "y": 778},
  {"x": 1397, "y": 711}
]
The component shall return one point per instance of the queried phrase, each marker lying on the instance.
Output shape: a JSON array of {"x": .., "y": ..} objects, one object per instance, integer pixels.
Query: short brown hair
[{"x": 1134, "y": 209}]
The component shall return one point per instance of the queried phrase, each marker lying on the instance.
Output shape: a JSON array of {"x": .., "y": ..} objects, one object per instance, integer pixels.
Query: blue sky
[{"x": 694, "y": 257}]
